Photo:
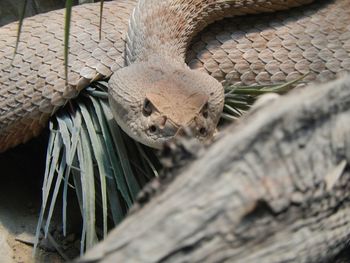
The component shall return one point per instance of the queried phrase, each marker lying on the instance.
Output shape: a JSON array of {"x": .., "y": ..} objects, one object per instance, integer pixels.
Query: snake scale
[{"x": 153, "y": 93}]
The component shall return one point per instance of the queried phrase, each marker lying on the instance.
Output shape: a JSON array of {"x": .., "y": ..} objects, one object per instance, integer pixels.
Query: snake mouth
[
  {"x": 169, "y": 130},
  {"x": 194, "y": 128}
]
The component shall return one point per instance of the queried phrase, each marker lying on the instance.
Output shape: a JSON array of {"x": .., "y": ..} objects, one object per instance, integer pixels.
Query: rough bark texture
[{"x": 274, "y": 188}]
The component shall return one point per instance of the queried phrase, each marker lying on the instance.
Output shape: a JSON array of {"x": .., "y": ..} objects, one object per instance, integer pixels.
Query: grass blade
[
  {"x": 56, "y": 189},
  {"x": 71, "y": 147},
  {"x": 102, "y": 162},
  {"x": 20, "y": 24},
  {"x": 239, "y": 99},
  {"x": 133, "y": 185},
  {"x": 101, "y": 13},
  {"x": 88, "y": 189},
  {"x": 118, "y": 177},
  {"x": 68, "y": 16},
  {"x": 54, "y": 149},
  {"x": 115, "y": 162},
  {"x": 148, "y": 161}
]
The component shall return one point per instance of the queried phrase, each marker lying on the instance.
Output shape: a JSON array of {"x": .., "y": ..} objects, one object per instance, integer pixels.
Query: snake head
[{"x": 154, "y": 102}]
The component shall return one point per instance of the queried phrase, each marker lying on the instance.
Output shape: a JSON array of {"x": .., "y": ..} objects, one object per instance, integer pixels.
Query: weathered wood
[{"x": 274, "y": 188}]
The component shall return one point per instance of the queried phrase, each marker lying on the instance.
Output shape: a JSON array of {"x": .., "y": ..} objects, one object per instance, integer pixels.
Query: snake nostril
[{"x": 203, "y": 131}]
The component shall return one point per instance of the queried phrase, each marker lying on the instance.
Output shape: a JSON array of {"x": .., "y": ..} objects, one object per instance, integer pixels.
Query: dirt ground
[
  {"x": 21, "y": 175},
  {"x": 19, "y": 208}
]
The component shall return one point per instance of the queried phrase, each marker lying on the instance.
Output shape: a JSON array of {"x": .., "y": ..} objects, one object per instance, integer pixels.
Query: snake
[{"x": 166, "y": 61}]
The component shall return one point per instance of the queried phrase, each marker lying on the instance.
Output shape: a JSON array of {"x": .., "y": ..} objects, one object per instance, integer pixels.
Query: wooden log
[{"x": 273, "y": 188}]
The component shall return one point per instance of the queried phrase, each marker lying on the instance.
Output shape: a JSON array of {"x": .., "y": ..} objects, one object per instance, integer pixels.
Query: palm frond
[
  {"x": 87, "y": 152},
  {"x": 239, "y": 99}
]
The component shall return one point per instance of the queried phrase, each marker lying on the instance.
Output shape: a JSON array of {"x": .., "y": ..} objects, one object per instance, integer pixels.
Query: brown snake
[{"x": 153, "y": 93}]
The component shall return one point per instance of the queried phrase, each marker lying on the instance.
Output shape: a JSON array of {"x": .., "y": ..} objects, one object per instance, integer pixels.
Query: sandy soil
[
  {"x": 20, "y": 199},
  {"x": 18, "y": 219}
]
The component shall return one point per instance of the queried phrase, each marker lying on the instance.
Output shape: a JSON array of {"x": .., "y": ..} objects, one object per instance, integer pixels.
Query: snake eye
[
  {"x": 147, "y": 108},
  {"x": 152, "y": 128},
  {"x": 205, "y": 114}
]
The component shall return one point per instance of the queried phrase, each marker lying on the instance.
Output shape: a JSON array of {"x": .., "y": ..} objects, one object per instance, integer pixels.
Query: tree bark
[{"x": 274, "y": 188}]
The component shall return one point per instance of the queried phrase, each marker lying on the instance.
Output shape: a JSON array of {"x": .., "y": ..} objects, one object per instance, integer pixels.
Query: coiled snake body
[{"x": 153, "y": 94}]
